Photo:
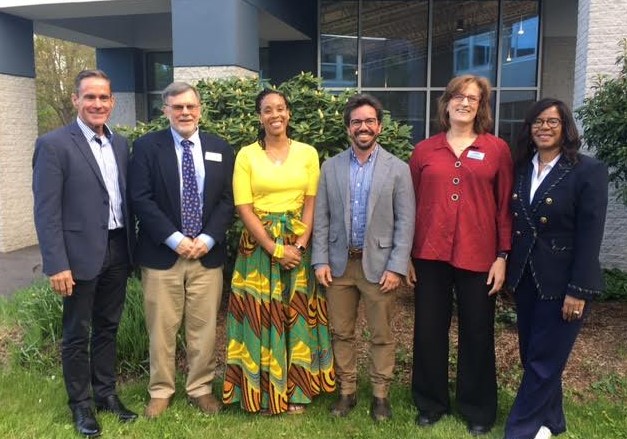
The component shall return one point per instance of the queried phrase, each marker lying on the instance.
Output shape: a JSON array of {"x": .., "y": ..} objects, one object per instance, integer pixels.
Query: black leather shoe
[
  {"x": 85, "y": 422},
  {"x": 112, "y": 404},
  {"x": 478, "y": 429},
  {"x": 380, "y": 410},
  {"x": 344, "y": 405},
  {"x": 425, "y": 419}
]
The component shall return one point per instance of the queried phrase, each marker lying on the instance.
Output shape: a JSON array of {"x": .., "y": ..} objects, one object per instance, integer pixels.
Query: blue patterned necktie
[{"x": 191, "y": 218}]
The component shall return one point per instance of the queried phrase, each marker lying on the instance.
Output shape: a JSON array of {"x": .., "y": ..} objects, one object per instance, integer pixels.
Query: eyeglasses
[
  {"x": 551, "y": 122},
  {"x": 471, "y": 98},
  {"x": 178, "y": 108},
  {"x": 371, "y": 122}
]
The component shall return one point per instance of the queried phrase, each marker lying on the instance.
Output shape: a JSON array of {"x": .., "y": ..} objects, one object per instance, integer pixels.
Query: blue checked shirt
[{"x": 360, "y": 181}]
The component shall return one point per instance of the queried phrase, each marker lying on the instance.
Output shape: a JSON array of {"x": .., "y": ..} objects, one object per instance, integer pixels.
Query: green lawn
[
  {"x": 33, "y": 405},
  {"x": 33, "y": 399}
]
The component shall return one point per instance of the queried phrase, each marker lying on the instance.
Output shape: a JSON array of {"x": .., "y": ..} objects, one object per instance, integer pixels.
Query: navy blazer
[
  {"x": 71, "y": 202},
  {"x": 154, "y": 190},
  {"x": 558, "y": 235}
]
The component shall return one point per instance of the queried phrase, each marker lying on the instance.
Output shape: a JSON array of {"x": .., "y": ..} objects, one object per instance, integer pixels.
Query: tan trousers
[
  {"x": 343, "y": 303},
  {"x": 186, "y": 291}
]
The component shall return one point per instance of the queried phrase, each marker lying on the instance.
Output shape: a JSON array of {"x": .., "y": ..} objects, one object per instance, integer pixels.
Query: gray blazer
[
  {"x": 71, "y": 202},
  {"x": 389, "y": 222}
]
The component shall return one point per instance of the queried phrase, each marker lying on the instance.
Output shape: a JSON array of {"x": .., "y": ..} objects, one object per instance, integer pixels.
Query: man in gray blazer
[
  {"x": 363, "y": 230},
  {"x": 85, "y": 236}
]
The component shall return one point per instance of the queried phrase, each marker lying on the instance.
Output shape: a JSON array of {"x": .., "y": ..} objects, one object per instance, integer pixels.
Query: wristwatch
[
  {"x": 300, "y": 248},
  {"x": 502, "y": 255}
]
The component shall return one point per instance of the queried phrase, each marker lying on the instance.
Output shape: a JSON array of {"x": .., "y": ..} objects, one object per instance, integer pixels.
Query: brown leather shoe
[
  {"x": 380, "y": 410},
  {"x": 208, "y": 404},
  {"x": 155, "y": 407},
  {"x": 344, "y": 405}
]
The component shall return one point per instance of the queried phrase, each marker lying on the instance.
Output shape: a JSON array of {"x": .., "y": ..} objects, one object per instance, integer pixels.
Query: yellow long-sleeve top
[{"x": 257, "y": 180}]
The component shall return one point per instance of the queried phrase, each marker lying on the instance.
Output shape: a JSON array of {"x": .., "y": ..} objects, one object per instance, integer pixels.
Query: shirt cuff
[
  {"x": 208, "y": 240},
  {"x": 174, "y": 240}
]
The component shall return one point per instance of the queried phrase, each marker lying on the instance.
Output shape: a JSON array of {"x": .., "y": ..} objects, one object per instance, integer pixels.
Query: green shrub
[
  {"x": 604, "y": 119},
  {"x": 229, "y": 111},
  {"x": 615, "y": 285}
]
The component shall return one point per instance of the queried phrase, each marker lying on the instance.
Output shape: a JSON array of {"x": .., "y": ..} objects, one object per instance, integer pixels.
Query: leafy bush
[
  {"x": 229, "y": 111},
  {"x": 615, "y": 285},
  {"x": 604, "y": 119}
]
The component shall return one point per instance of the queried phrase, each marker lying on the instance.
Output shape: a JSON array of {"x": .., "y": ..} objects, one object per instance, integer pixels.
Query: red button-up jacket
[{"x": 462, "y": 204}]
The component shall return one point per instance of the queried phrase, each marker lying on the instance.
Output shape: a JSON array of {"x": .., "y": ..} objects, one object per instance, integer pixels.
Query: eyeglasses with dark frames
[
  {"x": 371, "y": 122},
  {"x": 551, "y": 122}
]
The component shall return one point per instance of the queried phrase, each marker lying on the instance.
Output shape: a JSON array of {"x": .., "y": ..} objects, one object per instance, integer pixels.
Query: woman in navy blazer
[{"x": 559, "y": 204}]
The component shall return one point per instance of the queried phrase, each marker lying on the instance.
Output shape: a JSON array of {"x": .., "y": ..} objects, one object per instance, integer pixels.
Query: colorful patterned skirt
[{"x": 278, "y": 344}]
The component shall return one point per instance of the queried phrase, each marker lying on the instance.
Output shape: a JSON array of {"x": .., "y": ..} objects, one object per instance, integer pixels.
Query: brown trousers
[{"x": 343, "y": 297}]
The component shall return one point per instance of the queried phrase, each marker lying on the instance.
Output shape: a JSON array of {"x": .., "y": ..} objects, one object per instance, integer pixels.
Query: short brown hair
[
  {"x": 483, "y": 119},
  {"x": 89, "y": 73}
]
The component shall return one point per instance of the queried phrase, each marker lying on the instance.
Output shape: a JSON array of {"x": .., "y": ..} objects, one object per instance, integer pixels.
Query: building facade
[{"x": 402, "y": 51}]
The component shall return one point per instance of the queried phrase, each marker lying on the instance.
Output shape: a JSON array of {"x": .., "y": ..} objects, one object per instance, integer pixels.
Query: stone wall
[
  {"x": 194, "y": 74},
  {"x": 18, "y": 132}
]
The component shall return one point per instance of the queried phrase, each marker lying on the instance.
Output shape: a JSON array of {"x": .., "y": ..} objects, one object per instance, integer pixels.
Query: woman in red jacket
[{"x": 462, "y": 180}]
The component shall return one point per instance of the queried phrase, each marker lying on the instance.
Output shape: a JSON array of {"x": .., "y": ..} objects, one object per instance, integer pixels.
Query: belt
[{"x": 355, "y": 253}]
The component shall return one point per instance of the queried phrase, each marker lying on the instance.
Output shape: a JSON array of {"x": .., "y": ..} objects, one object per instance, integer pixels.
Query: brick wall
[
  {"x": 601, "y": 23},
  {"x": 18, "y": 131}
]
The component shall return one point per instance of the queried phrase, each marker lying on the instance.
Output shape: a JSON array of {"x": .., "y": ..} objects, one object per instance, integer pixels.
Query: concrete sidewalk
[{"x": 18, "y": 269}]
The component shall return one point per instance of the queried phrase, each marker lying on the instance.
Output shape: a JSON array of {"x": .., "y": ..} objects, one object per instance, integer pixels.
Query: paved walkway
[{"x": 18, "y": 269}]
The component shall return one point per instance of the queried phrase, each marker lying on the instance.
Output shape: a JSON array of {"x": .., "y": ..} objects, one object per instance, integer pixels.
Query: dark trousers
[
  {"x": 89, "y": 357},
  {"x": 545, "y": 342},
  {"x": 476, "y": 369}
]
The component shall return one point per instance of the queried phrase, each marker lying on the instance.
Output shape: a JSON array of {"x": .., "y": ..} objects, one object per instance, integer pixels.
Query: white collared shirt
[
  {"x": 103, "y": 153},
  {"x": 538, "y": 177}
]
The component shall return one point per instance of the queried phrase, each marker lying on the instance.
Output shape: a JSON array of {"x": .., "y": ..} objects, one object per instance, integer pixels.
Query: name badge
[
  {"x": 476, "y": 155},
  {"x": 213, "y": 156}
]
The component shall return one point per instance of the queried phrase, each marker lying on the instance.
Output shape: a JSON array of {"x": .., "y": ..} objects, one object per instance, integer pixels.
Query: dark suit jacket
[
  {"x": 154, "y": 189},
  {"x": 559, "y": 233},
  {"x": 72, "y": 203}
]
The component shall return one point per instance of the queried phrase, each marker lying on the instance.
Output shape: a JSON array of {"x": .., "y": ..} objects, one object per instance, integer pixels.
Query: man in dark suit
[
  {"x": 82, "y": 221},
  {"x": 363, "y": 229},
  {"x": 181, "y": 190}
]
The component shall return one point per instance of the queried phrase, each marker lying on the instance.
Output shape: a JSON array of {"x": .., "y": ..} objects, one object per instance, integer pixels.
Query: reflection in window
[
  {"x": 338, "y": 43},
  {"x": 406, "y": 107},
  {"x": 159, "y": 73},
  {"x": 514, "y": 105},
  {"x": 375, "y": 45},
  {"x": 519, "y": 34},
  {"x": 464, "y": 39},
  {"x": 394, "y": 43}
]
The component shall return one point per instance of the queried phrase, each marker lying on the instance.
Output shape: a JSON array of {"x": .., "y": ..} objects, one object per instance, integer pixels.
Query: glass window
[
  {"x": 159, "y": 73},
  {"x": 519, "y": 34},
  {"x": 406, "y": 107},
  {"x": 159, "y": 70},
  {"x": 338, "y": 43},
  {"x": 513, "y": 106},
  {"x": 464, "y": 39},
  {"x": 394, "y": 43}
]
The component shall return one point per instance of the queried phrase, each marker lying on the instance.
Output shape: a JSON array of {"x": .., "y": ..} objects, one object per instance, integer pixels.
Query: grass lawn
[{"x": 34, "y": 406}]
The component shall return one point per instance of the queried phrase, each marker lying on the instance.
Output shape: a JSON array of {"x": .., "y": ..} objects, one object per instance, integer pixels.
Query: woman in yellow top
[{"x": 279, "y": 354}]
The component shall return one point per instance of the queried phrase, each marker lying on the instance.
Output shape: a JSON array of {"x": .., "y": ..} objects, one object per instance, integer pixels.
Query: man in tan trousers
[{"x": 180, "y": 182}]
